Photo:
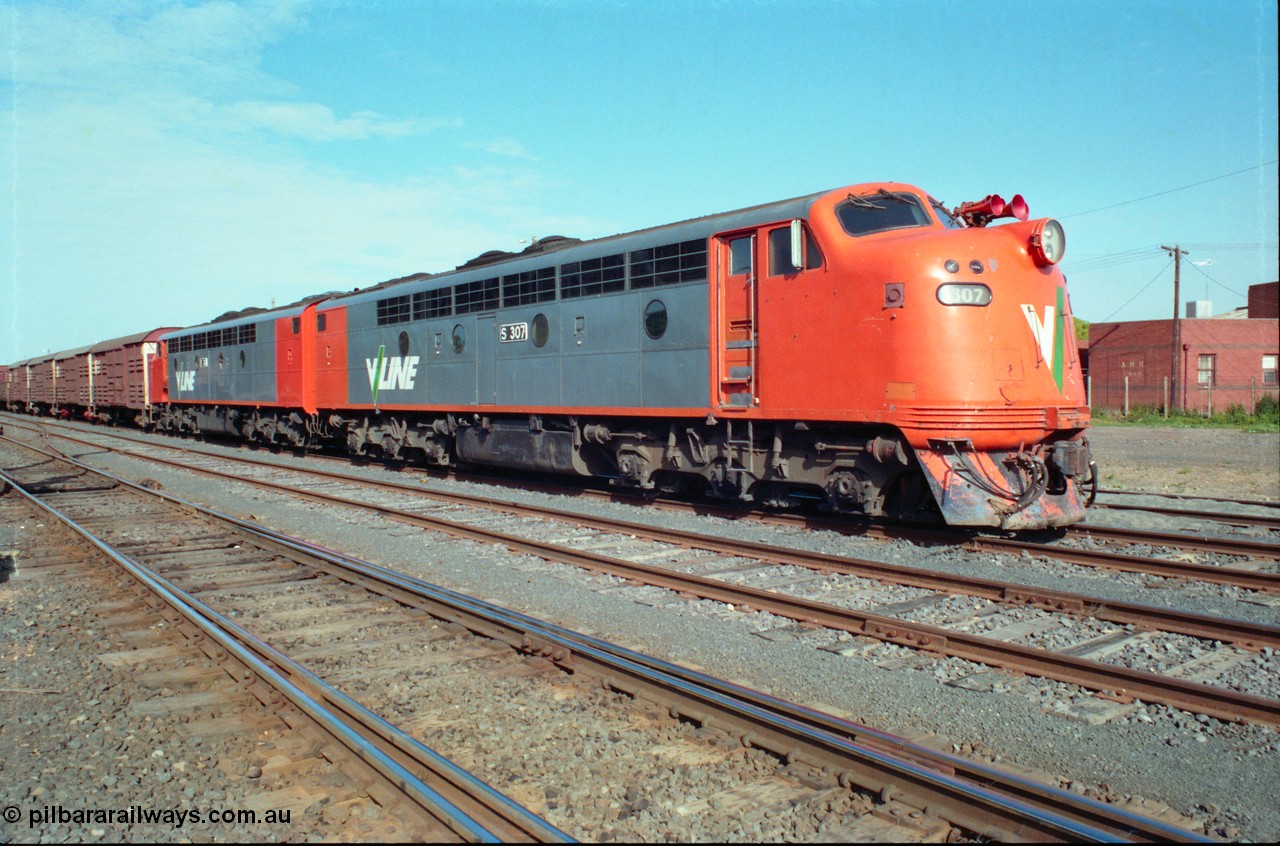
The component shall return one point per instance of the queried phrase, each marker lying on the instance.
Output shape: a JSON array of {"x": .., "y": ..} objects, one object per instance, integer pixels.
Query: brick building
[
  {"x": 1230, "y": 359},
  {"x": 1264, "y": 300}
]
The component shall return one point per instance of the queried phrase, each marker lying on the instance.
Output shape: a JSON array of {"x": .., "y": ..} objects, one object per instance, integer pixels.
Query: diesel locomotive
[{"x": 865, "y": 349}]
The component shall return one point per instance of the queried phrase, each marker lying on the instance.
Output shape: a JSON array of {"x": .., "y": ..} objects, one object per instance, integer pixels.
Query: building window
[
  {"x": 1206, "y": 369},
  {"x": 1269, "y": 369}
]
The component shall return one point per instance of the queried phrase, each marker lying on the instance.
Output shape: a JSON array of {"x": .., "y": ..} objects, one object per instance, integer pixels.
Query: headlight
[
  {"x": 964, "y": 295},
  {"x": 1048, "y": 242}
]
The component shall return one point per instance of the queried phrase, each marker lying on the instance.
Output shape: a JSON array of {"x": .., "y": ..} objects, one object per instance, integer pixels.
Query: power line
[
  {"x": 1216, "y": 282},
  {"x": 1135, "y": 296},
  {"x": 1086, "y": 265},
  {"x": 1170, "y": 191},
  {"x": 1234, "y": 248}
]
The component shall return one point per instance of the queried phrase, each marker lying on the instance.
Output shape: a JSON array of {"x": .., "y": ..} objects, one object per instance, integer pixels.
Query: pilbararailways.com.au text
[{"x": 138, "y": 815}]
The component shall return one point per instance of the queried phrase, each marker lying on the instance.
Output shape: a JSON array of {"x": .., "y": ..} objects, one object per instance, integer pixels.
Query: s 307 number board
[{"x": 509, "y": 332}]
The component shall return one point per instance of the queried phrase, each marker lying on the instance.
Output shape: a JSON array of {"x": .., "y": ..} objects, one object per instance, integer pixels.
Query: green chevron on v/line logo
[
  {"x": 391, "y": 374},
  {"x": 1050, "y": 341}
]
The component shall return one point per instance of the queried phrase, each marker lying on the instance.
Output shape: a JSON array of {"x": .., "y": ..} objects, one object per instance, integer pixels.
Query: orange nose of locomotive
[
  {"x": 994, "y": 319},
  {"x": 1009, "y": 449}
]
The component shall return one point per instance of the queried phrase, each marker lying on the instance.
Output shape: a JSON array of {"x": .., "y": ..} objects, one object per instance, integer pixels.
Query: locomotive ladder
[{"x": 739, "y": 341}]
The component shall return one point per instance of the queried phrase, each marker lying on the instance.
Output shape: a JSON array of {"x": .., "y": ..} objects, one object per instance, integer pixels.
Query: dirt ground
[{"x": 1209, "y": 462}]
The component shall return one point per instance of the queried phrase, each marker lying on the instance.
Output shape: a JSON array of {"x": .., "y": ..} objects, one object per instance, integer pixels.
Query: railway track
[
  {"x": 1260, "y": 503},
  {"x": 1266, "y": 521},
  {"x": 912, "y": 790},
  {"x": 1246, "y": 563},
  {"x": 933, "y": 620},
  {"x": 396, "y": 769}
]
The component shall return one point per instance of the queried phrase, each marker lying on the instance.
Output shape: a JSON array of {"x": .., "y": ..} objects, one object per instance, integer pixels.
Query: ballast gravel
[{"x": 1222, "y": 776}]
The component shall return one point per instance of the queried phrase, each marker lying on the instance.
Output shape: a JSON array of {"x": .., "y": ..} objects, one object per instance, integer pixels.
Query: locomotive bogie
[{"x": 846, "y": 470}]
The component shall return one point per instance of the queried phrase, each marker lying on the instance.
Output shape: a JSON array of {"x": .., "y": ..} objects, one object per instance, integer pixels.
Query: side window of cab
[{"x": 780, "y": 258}]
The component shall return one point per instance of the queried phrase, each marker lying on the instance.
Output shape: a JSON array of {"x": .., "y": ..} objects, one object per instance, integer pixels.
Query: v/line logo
[
  {"x": 185, "y": 380},
  {"x": 391, "y": 374},
  {"x": 1050, "y": 340}
]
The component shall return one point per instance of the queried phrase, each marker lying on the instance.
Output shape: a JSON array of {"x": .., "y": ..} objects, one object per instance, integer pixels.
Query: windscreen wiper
[
  {"x": 863, "y": 203},
  {"x": 892, "y": 196}
]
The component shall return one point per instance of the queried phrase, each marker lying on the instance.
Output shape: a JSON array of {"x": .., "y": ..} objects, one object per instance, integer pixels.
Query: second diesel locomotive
[{"x": 865, "y": 348}]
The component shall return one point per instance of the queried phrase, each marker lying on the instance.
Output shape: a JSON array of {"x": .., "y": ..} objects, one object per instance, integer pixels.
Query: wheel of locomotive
[
  {"x": 667, "y": 482},
  {"x": 775, "y": 495}
]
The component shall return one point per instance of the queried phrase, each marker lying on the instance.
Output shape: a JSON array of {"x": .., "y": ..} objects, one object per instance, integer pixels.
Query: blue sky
[{"x": 165, "y": 162}]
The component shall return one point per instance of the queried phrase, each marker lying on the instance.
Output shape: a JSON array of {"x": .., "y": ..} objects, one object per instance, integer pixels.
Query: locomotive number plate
[{"x": 509, "y": 332}]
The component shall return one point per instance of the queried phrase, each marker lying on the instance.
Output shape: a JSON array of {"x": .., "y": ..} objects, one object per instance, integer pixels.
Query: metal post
[
  {"x": 1253, "y": 400},
  {"x": 1209, "y": 407},
  {"x": 1166, "y": 398},
  {"x": 1126, "y": 396},
  {"x": 1180, "y": 394}
]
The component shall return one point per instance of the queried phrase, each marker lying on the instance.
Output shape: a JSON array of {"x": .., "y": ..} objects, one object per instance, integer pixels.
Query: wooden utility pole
[{"x": 1179, "y": 395}]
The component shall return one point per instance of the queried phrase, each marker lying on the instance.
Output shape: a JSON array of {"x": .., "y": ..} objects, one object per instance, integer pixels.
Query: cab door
[{"x": 735, "y": 314}]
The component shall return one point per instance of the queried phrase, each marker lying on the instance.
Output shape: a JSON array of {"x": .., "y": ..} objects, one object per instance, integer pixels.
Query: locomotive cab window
[
  {"x": 740, "y": 259},
  {"x": 881, "y": 212},
  {"x": 780, "y": 252}
]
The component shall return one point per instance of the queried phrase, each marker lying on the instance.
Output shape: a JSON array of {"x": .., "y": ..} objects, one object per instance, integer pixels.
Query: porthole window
[
  {"x": 459, "y": 338},
  {"x": 655, "y": 319},
  {"x": 404, "y": 343},
  {"x": 541, "y": 330}
]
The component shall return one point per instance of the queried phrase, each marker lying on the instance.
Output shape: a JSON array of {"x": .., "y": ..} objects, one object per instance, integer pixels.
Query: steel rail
[
  {"x": 401, "y": 760},
  {"x": 1167, "y": 568},
  {"x": 970, "y": 795},
  {"x": 1264, "y": 503},
  {"x": 1266, "y": 581},
  {"x": 1212, "y": 627},
  {"x": 1117, "y": 682},
  {"x": 1228, "y": 546},
  {"x": 1266, "y": 521}
]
